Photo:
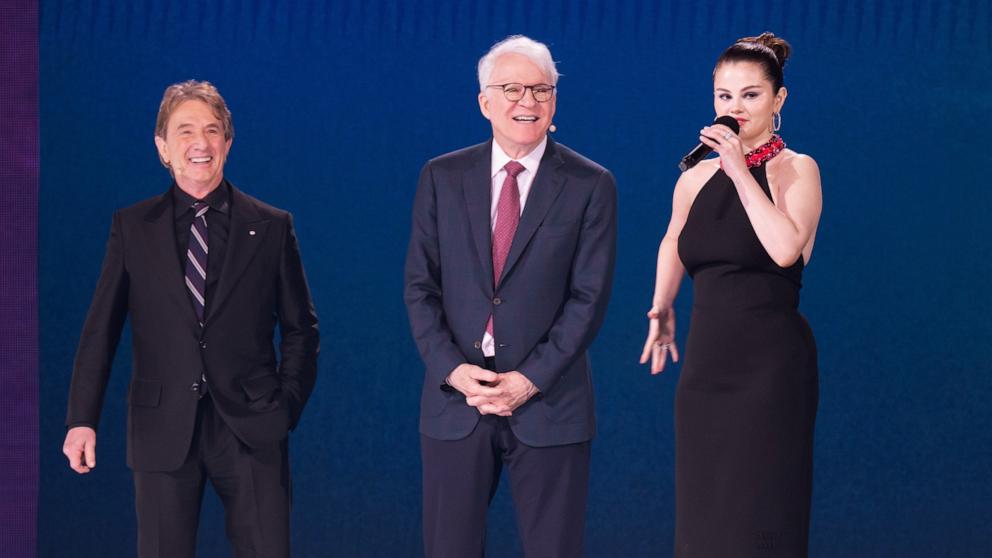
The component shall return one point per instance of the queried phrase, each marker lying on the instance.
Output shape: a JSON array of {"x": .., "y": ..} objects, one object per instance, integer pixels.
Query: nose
[
  {"x": 528, "y": 99},
  {"x": 198, "y": 140}
]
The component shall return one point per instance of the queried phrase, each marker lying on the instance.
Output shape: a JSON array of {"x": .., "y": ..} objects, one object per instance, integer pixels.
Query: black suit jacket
[
  {"x": 262, "y": 283},
  {"x": 550, "y": 301}
]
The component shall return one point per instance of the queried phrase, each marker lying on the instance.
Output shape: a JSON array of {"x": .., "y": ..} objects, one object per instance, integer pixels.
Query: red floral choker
[{"x": 764, "y": 152}]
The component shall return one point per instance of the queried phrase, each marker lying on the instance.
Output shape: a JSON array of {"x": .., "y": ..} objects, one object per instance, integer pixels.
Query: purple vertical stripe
[{"x": 18, "y": 277}]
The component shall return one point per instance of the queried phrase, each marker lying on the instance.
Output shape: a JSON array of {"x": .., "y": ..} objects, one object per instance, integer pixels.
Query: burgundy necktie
[{"x": 507, "y": 217}]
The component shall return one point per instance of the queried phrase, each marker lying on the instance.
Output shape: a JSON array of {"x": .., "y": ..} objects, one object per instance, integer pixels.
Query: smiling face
[
  {"x": 518, "y": 126},
  {"x": 743, "y": 91},
  {"x": 194, "y": 147}
]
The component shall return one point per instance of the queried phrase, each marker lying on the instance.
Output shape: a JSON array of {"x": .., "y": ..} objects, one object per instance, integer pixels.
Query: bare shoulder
[
  {"x": 692, "y": 180},
  {"x": 802, "y": 164},
  {"x": 793, "y": 172}
]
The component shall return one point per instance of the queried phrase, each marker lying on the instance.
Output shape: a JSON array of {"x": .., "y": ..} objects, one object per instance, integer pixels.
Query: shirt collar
[
  {"x": 218, "y": 200},
  {"x": 530, "y": 161}
]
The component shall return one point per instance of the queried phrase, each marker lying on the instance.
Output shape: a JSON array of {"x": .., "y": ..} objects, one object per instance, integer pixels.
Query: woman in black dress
[{"x": 743, "y": 226}]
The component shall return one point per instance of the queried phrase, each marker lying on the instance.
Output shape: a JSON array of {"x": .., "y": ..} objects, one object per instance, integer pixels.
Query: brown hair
[
  {"x": 191, "y": 90},
  {"x": 766, "y": 49}
]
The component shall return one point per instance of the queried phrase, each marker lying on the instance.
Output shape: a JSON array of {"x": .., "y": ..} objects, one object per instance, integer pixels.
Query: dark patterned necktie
[
  {"x": 196, "y": 259},
  {"x": 507, "y": 218}
]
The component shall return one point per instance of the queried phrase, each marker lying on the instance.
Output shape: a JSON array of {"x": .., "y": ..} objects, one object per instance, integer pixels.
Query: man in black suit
[
  {"x": 205, "y": 273},
  {"x": 508, "y": 275}
]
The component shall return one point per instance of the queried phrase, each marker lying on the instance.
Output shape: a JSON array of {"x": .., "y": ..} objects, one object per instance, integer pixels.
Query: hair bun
[{"x": 779, "y": 46}]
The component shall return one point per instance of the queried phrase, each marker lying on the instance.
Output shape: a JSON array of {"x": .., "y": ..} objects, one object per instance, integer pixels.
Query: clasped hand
[{"x": 490, "y": 392}]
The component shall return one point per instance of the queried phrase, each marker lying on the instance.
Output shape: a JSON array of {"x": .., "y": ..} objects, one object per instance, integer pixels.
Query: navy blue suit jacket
[{"x": 548, "y": 304}]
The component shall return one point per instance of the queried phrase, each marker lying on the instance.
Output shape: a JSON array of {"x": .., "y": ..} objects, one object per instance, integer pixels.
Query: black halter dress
[{"x": 746, "y": 401}]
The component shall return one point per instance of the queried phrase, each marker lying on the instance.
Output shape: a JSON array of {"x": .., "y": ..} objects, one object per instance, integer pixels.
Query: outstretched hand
[{"x": 660, "y": 344}]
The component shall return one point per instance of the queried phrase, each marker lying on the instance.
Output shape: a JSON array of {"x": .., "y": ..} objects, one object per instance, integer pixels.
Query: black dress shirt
[{"x": 218, "y": 227}]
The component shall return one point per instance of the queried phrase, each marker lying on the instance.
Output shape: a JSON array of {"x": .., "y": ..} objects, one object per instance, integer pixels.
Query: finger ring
[
  {"x": 664, "y": 346},
  {"x": 727, "y": 135}
]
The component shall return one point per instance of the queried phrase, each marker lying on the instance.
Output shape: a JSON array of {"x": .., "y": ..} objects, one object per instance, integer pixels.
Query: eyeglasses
[{"x": 515, "y": 91}]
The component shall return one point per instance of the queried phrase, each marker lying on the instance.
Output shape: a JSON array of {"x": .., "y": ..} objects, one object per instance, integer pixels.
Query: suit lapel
[
  {"x": 477, "y": 186},
  {"x": 162, "y": 257},
  {"x": 246, "y": 235},
  {"x": 543, "y": 192}
]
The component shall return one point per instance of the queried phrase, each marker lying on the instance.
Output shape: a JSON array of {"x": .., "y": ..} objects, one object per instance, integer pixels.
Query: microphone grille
[{"x": 730, "y": 122}]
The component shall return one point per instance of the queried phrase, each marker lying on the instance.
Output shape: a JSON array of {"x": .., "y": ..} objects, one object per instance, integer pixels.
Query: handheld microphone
[{"x": 702, "y": 150}]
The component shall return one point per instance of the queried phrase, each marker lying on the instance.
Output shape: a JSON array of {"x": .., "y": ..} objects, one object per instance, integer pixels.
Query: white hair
[{"x": 538, "y": 53}]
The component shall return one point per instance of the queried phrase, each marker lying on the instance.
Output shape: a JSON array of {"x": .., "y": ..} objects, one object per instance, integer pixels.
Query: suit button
[
  {"x": 203, "y": 344},
  {"x": 195, "y": 387},
  {"x": 478, "y": 344},
  {"x": 497, "y": 301}
]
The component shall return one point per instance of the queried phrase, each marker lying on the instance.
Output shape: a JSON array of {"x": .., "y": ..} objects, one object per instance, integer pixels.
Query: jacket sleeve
[
  {"x": 300, "y": 338},
  {"x": 589, "y": 291},
  {"x": 422, "y": 287},
  {"x": 100, "y": 335}
]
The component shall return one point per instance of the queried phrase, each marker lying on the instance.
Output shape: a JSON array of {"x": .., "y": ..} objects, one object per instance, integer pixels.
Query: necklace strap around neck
[{"x": 764, "y": 152}]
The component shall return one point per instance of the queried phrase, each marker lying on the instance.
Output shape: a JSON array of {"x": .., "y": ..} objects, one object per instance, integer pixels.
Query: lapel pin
[{"x": 252, "y": 233}]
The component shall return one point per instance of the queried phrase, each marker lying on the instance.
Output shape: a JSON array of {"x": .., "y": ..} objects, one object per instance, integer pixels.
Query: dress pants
[
  {"x": 549, "y": 487},
  {"x": 253, "y": 484}
]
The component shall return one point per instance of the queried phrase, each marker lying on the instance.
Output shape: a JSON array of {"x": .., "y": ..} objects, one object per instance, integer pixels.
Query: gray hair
[{"x": 538, "y": 53}]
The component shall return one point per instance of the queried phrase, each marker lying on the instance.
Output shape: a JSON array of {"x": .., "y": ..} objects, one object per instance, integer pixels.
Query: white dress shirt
[{"x": 531, "y": 162}]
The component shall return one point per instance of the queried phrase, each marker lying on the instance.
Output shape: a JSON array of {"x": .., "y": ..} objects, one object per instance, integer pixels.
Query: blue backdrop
[{"x": 336, "y": 107}]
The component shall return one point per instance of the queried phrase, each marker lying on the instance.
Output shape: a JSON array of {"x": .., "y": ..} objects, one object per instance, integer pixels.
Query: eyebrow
[
  {"x": 190, "y": 125},
  {"x": 521, "y": 83},
  {"x": 742, "y": 89}
]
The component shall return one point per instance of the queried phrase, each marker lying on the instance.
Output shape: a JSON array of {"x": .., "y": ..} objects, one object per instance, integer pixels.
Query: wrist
[
  {"x": 660, "y": 308},
  {"x": 740, "y": 175},
  {"x": 447, "y": 384}
]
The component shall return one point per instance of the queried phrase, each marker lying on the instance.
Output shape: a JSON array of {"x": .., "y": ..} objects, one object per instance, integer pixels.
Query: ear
[
  {"x": 780, "y": 98},
  {"x": 227, "y": 146},
  {"x": 163, "y": 152},
  {"x": 484, "y": 105}
]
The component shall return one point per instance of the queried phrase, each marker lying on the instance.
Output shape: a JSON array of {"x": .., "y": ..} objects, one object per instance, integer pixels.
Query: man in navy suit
[{"x": 508, "y": 276}]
